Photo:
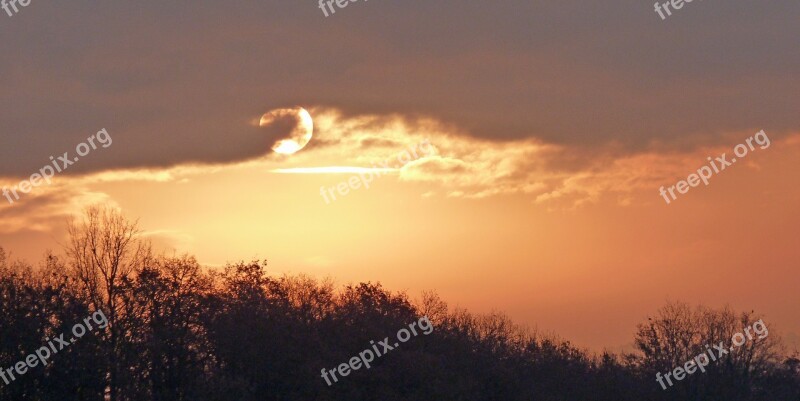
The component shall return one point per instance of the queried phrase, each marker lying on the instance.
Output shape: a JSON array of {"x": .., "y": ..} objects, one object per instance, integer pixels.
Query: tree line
[{"x": 177, "y": 331}]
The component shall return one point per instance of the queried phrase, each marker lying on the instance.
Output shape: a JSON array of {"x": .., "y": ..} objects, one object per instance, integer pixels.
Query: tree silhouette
[
  {"x": 104, "y": 249},
  {"x": 180, "y": 332}
]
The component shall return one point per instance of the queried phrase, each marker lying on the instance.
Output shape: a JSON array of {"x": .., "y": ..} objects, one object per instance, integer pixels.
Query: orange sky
[{"x": 584, "y": 250}]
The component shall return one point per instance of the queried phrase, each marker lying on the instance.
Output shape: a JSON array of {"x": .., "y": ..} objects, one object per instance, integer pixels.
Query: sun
[
  {"x": 286, "y": 147},
  {"x": 299, "y": 137}
]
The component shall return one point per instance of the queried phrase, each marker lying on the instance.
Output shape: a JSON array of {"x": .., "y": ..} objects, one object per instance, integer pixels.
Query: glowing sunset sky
[{"x": 551, "y": 127}]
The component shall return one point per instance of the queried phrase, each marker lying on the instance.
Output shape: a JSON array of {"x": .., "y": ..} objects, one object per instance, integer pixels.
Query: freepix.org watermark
[
  {"x": 58, "y": 165},
  {"x": 676, "y": 5},
  {"x": 326, "y": 5},
  {"x": 713, "y": 354},
  {"x": 366, "y": 356},
  {"x": 43, "y": 354},
  {"x": 7, "y": 5},
  {"x": 364, "y": 178},
  {"x": 718, "y": 164}
]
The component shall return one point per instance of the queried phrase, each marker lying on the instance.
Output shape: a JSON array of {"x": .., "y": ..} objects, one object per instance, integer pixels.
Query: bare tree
[
  {"x": 104, "y": 248},
  {"x": 679, "y": 333}
]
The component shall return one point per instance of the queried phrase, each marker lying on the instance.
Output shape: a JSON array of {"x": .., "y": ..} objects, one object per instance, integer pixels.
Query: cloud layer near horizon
[{"x": 452, "y": 165}]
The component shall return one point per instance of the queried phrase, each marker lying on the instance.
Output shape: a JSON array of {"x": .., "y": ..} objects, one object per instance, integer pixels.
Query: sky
[{"x": 514, "y": 151}]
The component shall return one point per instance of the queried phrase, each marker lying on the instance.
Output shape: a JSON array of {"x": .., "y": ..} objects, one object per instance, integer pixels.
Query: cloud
[
  {"x": 457, "y": 165},
  {"x": 180, "y": 83},
  {"x": 168, "y": 240},
  {"x": 38, "y": 211},
  {"x": 421, "y": 151}
]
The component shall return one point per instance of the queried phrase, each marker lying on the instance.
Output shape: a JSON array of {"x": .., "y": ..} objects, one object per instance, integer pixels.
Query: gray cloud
[{"x": 181, "y": 82}]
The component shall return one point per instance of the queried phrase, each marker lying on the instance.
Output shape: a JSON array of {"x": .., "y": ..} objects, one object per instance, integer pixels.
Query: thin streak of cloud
[{"x": 333, "y": 170}]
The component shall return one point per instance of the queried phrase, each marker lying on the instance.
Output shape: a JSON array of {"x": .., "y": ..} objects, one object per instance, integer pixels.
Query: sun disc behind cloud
[{"x": 299, "y": 136}]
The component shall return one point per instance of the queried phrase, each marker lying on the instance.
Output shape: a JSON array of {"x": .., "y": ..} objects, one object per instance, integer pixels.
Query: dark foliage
[{"x": 178, "y": 332}]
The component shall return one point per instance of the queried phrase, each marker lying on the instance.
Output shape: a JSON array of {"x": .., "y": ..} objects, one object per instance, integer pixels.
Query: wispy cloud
[
  {"x": 333, "y": 170},
  {"x": 456, "y": 165}
]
